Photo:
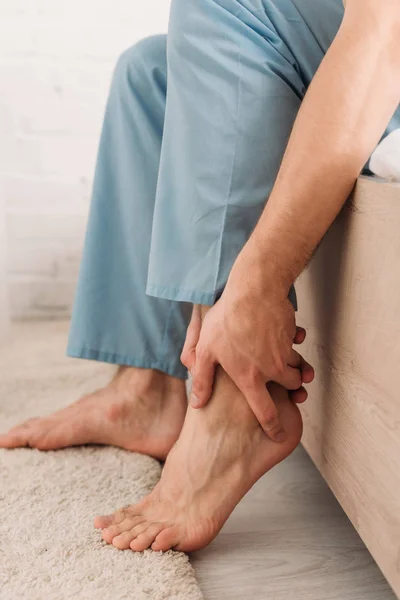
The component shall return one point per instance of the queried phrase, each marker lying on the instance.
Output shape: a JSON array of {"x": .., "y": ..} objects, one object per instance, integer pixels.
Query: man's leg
[
  {"x": 234, "y": 88},
  {"x": 114, "y": 321},
  {"x": 221, "y": 452}
]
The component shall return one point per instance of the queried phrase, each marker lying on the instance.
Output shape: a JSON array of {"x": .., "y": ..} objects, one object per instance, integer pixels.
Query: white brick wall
[
  {"x": 4, "y": 314},
  {"x": 56, "y": 58}
]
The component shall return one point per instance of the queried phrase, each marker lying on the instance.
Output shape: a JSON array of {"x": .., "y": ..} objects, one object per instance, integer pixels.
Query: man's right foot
[{"x": 141, "y": 410}]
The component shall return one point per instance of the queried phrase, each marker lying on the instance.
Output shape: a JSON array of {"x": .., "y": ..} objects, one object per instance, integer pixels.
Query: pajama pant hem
[
  {"x": 181, "y": 295},
  {"x": 174, "y": 369}
]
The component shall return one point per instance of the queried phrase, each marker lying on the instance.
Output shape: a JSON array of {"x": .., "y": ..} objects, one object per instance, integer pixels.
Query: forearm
[{"x": 345, "y": 112}]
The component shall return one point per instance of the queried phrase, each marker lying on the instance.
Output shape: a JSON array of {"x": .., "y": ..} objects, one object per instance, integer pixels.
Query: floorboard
[{"x": 289, "y": 539}]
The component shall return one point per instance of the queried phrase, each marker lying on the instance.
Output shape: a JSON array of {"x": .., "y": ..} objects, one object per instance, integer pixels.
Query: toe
[
  {"x": 103, "y": 521},
  {"x": 114, "y": 530},
  {"x": 124, "y": 540},
  {"x": 18, "y": 436},
  {"x": 11, "y": 440},
  {"x": 120, "y": 515},
  {"x": 167, "y": 539},
  {"x": 35, "y": 433},
  {"x": 146, "y": 538}
]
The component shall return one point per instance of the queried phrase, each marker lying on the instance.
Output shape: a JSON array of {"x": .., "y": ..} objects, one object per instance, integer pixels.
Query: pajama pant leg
[
  {"x": 237, "y": 73},
  {"x": 234, "y": 89},
  {"x": 195, "y": 130},
  {"x": 113, "y": 319}
]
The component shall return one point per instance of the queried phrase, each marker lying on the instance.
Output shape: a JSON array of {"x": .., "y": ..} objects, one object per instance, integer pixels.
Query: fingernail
[
  {"x": 280, "y": 437},
  {"x": 194, "y": 401}
]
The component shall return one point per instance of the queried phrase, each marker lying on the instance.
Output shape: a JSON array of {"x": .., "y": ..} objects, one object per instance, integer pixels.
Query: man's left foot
[
  {"x": 141, "y": 410},
  {"x": 221, "y": 452}
]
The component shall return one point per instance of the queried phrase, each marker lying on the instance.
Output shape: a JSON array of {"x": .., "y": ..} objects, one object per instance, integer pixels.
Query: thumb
[
  {"x": 188, "y": 356},
  {"x": 203, "y": 379}
]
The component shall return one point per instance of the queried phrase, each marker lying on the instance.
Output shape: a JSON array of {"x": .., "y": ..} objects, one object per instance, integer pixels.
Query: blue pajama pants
[{"x": 194, "y": 132}]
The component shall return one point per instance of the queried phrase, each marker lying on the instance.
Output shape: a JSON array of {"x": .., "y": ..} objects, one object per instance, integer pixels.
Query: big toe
[
  {"x": 35, "y": 433},
  {"x": 18, "y": 436},
  {"x": 12, "y": 440}
]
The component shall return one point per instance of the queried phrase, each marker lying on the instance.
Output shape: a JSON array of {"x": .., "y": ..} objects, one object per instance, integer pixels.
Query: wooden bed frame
[{"x": 349, "y": 302}]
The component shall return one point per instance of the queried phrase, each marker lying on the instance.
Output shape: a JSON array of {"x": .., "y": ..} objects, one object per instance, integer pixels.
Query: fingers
[
  {"x": 299, "y": 396},
  {"x": 198, "y": 361},
  {"x": 306, "y": 370},
  {"x": 263, "y": 407},
  {"x": 290, "y": 379},
  {"x": 203, "y": 379},
  {"x": 300, "y": 335},
  {"x": 306, "y": 373},
  {"x": 295, "y": 359},
  {"x": 188, "y": 356}
]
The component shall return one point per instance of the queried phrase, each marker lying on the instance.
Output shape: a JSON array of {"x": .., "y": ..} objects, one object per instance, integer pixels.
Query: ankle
[
  {"x": 146, "y": 382},
  {"x": 227, "y": 404}
]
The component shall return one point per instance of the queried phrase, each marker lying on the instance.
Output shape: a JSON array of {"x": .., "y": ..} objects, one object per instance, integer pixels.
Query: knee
[{"x": 142, "y": 62}]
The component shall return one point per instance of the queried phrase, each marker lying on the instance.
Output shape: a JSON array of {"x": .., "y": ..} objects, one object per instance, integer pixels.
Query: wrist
[{"x": 259, "y": 271}]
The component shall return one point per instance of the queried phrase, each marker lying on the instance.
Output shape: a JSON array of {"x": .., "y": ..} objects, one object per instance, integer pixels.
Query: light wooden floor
[{"x": 289, "y": 540}]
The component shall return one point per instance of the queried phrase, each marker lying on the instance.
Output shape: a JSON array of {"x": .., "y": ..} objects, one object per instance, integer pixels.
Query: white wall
[
  {"x": 4, "y": 307},
  {"x": 56, "y": 58}
]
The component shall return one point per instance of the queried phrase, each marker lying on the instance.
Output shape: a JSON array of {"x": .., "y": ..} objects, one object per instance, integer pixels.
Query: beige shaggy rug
[{"x": 49, "y": 549}]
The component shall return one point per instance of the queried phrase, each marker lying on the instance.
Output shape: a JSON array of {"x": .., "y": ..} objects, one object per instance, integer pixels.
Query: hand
[{"x": 250, "y": 333}]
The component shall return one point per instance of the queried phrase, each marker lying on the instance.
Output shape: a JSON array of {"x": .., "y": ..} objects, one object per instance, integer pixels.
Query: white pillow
[{"x": 385, "y": 160}]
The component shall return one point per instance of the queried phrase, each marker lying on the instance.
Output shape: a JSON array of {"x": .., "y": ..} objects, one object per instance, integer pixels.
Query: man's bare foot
[
  {"x": 141, "y": 410},
  {"x": 220, "y": 454}
]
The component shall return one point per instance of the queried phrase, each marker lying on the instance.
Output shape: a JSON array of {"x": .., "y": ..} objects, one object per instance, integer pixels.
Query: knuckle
[
  {"x": 297, "y": 358},
  {"x": 250, "y": 377},
  {"x": 273, "y": 430},
  {"x": 279, "y": 367},
  {"x": 202, "y": 353},
  {"x": 279, "y": 364},
  {"x": 270, "y": 418},
  {"x": 187, "y": 358},
  {"x": 295, "y": 375}
]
